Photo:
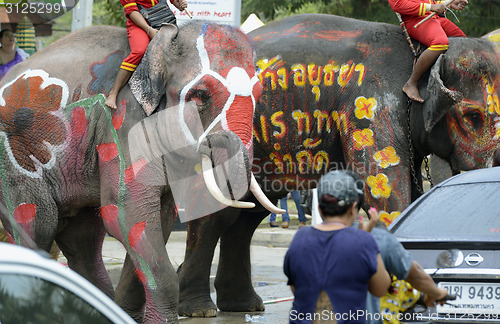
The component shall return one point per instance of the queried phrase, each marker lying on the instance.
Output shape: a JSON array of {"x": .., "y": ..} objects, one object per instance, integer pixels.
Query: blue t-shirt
[
  {"x": 397, "y": 261},
  {"x": 340, "y": 262}
]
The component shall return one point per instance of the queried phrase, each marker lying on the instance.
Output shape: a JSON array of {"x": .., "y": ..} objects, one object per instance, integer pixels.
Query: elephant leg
[
  {"x": 130, "y": 291},
  {"x": 81, "y": 243},
  {"x": 233, "y": 281},
  {"x": 194, "y": 273},
  {"x": 32, "y": 220},
  {"x": 140, "y": 228},
  {"x": 152, "y": 266}
]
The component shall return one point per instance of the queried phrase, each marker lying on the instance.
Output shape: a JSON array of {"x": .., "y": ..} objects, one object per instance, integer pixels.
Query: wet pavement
[{"x": 268, "y": 249}]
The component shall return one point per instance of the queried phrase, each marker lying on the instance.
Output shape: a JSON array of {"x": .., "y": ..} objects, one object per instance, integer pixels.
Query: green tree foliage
[
  {"x": 477, "y": 19},
  {"x": 108, "y": 12}
]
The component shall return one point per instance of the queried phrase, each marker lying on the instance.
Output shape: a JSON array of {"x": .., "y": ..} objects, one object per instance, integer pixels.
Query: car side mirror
[{"x": 450, "y": 259}]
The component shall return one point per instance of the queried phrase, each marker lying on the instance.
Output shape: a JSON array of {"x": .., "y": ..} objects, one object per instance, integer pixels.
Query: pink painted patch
[
  {"x": 119, "y": 115},
  {"x": 308, "y": 30},
  {"x": 257, "y": 91},
  {"x": 142, "y": 277},
  {"x": 334, "y": 35},
  {"x": 221, "y": 61},
  {"x": 135, "y": 233},
  {"x": 109, "y": 213},
  {"x": 107, "y": 151},
  {"x": 79, "y": 121},
  {"x": 25, "y": 213},
  {"x": 10, "y": 238},
  {"x": 239, "y": 118},
  {"x": 134, "y": 169}
]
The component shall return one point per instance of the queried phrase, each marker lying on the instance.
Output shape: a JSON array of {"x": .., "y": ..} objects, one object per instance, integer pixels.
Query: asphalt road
[{"x": 267, "y": 252}]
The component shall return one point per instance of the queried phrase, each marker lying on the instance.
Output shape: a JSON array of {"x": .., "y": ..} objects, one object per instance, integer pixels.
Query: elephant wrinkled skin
[
  {"x": 71, "y": 169},
  {"x": 333, "y": 99}
]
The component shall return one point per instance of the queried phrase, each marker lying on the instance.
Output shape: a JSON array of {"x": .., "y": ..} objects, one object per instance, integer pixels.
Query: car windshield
[
  {"x": 459, "y": 212},
  {"x": 27, "y": 299}
]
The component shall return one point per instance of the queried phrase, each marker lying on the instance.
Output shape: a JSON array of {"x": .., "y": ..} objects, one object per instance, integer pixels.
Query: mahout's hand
[
  {"x": 180, "y": 4},
  {"x": 152, "y": 32},
  {"x": 459, "y": 4},
  {"x": 439, "y": 8}
]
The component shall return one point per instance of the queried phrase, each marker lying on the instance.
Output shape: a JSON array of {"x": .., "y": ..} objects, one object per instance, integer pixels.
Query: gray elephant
[
  {"x": 71, "y": 169},
  {"x": 333, "y": 99}
]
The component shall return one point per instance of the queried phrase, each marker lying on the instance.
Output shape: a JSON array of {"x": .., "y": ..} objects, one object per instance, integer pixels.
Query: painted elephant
[
  {"x": 71, "y": 169},
  {"x": 494, "y": 37},
  {"x": 333, "y": 99}
]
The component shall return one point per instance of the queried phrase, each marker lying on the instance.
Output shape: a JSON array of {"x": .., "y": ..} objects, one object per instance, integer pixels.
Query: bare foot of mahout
[
  {"x": 411, "y": 91},
  {"x": 111, "y": 102}
]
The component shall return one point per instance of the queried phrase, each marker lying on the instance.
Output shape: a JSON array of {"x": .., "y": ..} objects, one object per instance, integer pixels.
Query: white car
[{"x": 36, "y": 289}]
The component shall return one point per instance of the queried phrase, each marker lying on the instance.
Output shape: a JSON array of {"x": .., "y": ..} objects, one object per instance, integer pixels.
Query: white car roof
[{"x": 19, "y": 260}]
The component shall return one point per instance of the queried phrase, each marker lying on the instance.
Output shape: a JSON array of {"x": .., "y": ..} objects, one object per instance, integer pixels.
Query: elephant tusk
[
  {"x": 209, "y": 177},
  {"x": 262, "y": 198}
]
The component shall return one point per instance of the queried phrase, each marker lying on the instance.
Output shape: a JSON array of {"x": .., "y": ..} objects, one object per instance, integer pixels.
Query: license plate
[{"x": 472, "y": 298}]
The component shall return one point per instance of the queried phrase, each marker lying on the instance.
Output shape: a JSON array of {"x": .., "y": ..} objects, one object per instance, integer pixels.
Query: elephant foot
[
  {"x": 200, "y": 307},
  {"x": 251, "y": 303}
]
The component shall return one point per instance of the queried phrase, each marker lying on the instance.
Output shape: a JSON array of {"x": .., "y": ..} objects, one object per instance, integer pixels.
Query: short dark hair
[{"x": 328, "y": 206}]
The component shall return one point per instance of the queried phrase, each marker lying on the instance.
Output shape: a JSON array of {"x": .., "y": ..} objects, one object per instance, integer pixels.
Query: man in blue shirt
[{"x": 332, "y": 260}]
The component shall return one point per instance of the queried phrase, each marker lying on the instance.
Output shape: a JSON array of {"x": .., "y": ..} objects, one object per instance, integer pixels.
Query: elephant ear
[
  {"x": 149, "y": 80},
  {"x": 440, "y": 99}
]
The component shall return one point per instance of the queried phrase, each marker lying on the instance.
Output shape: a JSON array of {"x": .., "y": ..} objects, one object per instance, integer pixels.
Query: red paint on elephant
[
  {"x": 119, "y": 115},
  {"x": 79, "y": 122},
  {"x": 141, "y": 276},
  {"x": 304, "y": 30},
  {"x": 135, "y": 234},
  {"x": 227, "y": 49},
  {"x": 26, "y": 114},
  {"x": 134, "y": 169},
  {"x": 24, "y": 214},
  {"x": 107, "y": 151},
  {"x": 109, "y": 214},
  {"x": 241, "y": 109},
  {"x": 472, "y": 139},
  {"x": 232, "y": 79}
]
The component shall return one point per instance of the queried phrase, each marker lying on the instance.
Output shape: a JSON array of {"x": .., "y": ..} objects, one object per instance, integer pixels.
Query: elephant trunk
[{"x": 224, "y": 151}]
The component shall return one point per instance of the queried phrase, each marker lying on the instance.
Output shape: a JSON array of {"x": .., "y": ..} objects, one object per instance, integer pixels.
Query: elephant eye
[
  {"x": 200, "y": 96},
  {"x": 475, "y": 118}
]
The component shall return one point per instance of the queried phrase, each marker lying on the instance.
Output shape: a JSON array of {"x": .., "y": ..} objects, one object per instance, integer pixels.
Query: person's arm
[
  {"x": 139, "y": 20},
  {"x": 380, "y": 281},
  {"x": 421, "y": 281}
]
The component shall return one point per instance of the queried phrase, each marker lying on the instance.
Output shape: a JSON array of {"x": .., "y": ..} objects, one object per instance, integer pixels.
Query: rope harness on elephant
[
  {"x": 416, "y": 53},
  {"x": 412, "y": 157}
]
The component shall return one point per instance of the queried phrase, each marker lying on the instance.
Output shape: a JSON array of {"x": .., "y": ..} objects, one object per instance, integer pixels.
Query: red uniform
[
  {"x": 434, "y": 32},
  {"x": 137, "y": 38}
]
